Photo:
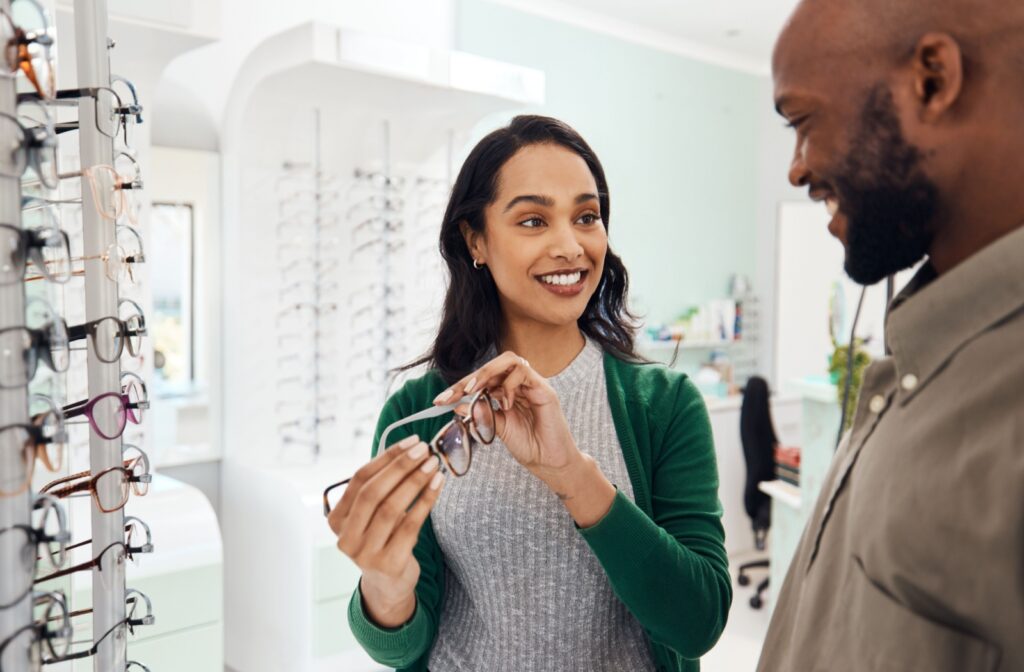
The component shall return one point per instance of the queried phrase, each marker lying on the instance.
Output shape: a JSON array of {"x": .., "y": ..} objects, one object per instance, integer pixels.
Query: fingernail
[
  {"x": 508, "y": 404},
  {"x": 429, "y": 466},
  {"x": 435, "y": 482},
  {"x": 444, "y": 396},
  {"x": 408, "y": 441},
  {"x": 419, "y": 451},
  {"x": 470, "y": 385}
]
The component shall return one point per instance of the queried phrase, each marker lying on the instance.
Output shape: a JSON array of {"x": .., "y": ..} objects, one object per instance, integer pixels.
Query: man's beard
[{"x": 889, "y": 202}]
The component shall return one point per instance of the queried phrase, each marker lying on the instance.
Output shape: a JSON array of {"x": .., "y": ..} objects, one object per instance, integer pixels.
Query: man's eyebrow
[{"x": 546, "y": 201}]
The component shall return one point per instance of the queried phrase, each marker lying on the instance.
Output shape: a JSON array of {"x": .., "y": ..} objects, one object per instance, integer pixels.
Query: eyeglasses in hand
[{"x": 452, "y": 445}]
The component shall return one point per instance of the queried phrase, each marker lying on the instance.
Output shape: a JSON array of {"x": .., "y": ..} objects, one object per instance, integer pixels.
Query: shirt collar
[{"x": 934, "y": 316}]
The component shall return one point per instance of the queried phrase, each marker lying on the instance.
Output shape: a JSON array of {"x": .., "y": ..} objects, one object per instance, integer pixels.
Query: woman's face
[{"x": 544, "y": 240}]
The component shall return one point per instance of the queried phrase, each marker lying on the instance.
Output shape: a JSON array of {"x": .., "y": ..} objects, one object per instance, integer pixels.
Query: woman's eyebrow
[{"x": 546, "y": 201}]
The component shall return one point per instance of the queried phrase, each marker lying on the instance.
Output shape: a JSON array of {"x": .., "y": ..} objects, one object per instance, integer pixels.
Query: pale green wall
[{"x": 678, "y": 139}]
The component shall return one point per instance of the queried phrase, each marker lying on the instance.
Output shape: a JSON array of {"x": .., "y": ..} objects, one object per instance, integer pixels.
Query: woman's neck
[{"x": 548, "y": 348}]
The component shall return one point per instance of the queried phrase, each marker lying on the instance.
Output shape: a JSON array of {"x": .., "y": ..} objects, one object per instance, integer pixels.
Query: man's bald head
[
  {"x": 908, "y": 116},
  {"x": 884, "y": 30}
]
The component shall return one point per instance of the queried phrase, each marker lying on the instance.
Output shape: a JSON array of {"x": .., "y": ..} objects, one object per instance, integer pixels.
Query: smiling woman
[
  {"x": 581, "y": 528},
  {"x": 544, "y": 193}
]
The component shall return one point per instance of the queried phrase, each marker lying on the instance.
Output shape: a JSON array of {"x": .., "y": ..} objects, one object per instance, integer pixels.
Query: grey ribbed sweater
[{"x": 523, "y": 591}]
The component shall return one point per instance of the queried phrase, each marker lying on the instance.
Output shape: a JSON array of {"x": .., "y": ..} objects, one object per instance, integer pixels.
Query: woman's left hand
[{"x": 530, "y": 423}]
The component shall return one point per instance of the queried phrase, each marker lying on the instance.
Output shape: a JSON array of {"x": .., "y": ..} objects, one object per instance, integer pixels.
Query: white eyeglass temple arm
[{"x": 422, "y": 415}]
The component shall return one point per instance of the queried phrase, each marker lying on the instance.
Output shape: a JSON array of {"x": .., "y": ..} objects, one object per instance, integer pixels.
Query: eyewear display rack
[
  {"x": 101, "y": 300},
  {"x": 303, "y": 228},
  {"x": 14, "y": 510},
  {"x": 391, "y": 113},
  {"x": 108, "y": 594}
]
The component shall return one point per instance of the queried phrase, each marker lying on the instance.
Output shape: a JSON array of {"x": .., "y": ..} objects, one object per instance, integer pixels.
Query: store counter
[{"x": 276, "y": 538}]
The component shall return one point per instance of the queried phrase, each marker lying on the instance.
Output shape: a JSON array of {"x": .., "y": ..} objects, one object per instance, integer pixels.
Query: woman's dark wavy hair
[{"x": 471, "y": 318}]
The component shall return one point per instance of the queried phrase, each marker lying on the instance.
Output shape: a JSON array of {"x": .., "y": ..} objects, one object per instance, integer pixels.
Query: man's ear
[
  {"x": 474, "y": 242},
  {"x": 938, "y": 71}
]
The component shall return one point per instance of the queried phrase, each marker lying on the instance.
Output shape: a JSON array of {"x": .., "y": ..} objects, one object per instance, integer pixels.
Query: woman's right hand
[{"x": 378, "y": 521}]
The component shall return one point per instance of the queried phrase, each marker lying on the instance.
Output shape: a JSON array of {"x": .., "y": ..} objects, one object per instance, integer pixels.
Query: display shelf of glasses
[
  {"x": 389, "y": 133},
  {"x": 49, "y": 285}
]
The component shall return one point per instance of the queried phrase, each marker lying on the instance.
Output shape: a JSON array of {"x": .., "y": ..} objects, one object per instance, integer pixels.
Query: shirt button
[
  {"x": 909, "y": 382},
  {"x": 877, "y": 404}
]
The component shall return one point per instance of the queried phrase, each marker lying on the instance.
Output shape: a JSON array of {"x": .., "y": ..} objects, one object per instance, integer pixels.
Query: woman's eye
[
  {"x": 532, "y": 223},
  {"x": 589, "y": 218}
]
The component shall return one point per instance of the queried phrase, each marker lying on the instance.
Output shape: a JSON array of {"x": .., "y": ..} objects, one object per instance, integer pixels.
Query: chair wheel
[
  {"x": 743, "y": 580},
  {"x": 756, "y": 602}
]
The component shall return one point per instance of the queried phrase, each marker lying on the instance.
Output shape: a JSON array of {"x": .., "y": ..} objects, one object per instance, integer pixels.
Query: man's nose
[{"x": 799, "y": 174}]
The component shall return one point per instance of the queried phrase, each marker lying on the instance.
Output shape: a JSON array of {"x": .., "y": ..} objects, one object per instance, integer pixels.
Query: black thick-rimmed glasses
[{"x": 452, "y": 445}]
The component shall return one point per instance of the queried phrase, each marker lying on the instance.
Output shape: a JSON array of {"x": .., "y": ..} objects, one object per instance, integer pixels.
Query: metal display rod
[
  {"x": 108, "y": 585},
  {"x": 15, "y": 509}
]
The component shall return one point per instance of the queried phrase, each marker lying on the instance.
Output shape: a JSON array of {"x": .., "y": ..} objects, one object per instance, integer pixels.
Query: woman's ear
[{"x": 474, "y": 242}]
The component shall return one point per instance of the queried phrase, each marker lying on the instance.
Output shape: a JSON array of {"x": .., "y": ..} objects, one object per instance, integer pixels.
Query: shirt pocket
[{"x": 887, "y": 636}]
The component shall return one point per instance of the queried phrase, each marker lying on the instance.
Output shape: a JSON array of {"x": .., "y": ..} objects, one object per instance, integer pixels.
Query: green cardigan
[{"x": 664, "y": 555}]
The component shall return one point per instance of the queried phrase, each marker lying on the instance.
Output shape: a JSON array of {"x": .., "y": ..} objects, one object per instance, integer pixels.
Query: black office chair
[{"x": 759, "y": 440}]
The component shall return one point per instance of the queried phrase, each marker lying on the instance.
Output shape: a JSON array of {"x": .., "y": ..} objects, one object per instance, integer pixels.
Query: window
[{"x": 172, "y": 274}]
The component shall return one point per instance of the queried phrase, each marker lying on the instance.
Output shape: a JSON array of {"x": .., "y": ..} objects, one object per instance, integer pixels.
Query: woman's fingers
[
  {"x": 510, "y": 385},
  {"x": 405, "y": 536},
  {"x": 393, "y": 509},
  {"x": 497, "y": 367},
  {"x": 368, "y": 471},
  {"x": 373, "y": 492}
]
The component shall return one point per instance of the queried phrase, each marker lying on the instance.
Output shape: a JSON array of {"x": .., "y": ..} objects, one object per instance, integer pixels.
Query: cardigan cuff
[
  {"x": 624, "y": 526},
  {"x": 385, "y": 644}
]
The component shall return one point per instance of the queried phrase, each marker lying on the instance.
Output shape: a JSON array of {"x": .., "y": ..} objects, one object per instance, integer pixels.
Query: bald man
[{"x": 909, "y": 121}]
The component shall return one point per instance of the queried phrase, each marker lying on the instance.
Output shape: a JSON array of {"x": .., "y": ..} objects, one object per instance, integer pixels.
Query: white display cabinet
[{"x": 319, "y": 96}]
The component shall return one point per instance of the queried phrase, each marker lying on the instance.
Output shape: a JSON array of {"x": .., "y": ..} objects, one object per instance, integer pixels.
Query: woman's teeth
[
  {"x": 833, "y": 206},
  {"x": 562, "y": 279}
]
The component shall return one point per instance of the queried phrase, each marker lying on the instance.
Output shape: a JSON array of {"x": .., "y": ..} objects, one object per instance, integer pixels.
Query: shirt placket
[{"x": 875, "y": 398}]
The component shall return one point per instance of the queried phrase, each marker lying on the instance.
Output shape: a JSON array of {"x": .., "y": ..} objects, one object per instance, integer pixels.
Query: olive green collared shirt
[{"x": 913, "y": 558}]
